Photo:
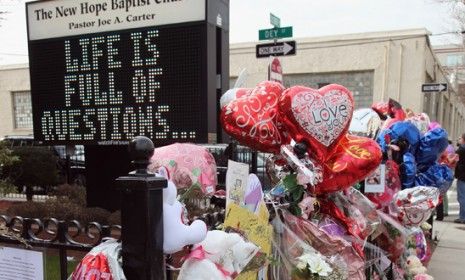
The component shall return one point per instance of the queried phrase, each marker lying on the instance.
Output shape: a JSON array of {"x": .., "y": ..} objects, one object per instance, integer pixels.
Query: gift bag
[{"x": 102, "y": 262}]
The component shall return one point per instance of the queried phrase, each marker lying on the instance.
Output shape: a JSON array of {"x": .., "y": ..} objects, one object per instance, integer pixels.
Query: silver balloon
[{"x": 365, "y": 122}]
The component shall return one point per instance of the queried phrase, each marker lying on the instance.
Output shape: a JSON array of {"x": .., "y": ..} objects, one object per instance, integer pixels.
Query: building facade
[
  {"x": 374, "y": 66},
  {"x": 15, "y": 101}
]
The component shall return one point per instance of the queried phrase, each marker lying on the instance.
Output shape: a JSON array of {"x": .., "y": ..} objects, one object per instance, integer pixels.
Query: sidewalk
[{"x": 448, "y": 260}]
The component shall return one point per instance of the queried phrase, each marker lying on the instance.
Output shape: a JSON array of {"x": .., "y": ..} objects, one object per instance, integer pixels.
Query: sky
[{"x": 308, "y": 18}]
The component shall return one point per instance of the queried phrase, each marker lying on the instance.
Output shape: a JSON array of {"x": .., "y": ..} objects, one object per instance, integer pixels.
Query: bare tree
[{"x": 457, "y": 21}]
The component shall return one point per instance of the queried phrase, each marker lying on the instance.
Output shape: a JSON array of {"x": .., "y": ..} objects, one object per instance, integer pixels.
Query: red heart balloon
[
  {"x": 251, "y": 119},
  {"x": 319, "y": 117},
  {"x": 354, "y": 159}
]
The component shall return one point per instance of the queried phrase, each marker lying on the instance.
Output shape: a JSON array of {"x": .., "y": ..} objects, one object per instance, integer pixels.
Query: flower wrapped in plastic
[
  {"x": 308, "y": 172},
  {"x": 417, "y": 245},
  {"x": 306, "y": 251},
  {"x": 354, "y": 210},
  {"x": 390, "y": 236}
]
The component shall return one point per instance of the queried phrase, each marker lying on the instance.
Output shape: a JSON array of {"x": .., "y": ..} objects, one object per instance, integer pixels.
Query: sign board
[
  {"x": 21, "y": 264},
  {"x": 275, "y": 21},
  {"x": 103, "y": 72},
  {"x": 236, "y": 182},
  {"x": 434, "y": 87},
  {"x": 275, "y": 33},
  {"x": 275, "y": 71},
  {"x": 275, "y": 49}
]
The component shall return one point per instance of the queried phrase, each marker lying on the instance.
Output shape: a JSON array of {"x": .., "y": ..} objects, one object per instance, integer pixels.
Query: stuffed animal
[
  {"x": 221, "y": 256},
  {"x": 176, "y": 233},
  {"x": 414, "y": 265}
]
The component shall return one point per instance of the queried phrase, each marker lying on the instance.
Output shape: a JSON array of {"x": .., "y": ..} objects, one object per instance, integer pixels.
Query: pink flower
[{"x": 182, "y": 178}]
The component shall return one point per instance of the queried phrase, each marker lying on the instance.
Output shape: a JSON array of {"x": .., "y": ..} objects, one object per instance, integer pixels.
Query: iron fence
[{"x": 66, "y": 236}]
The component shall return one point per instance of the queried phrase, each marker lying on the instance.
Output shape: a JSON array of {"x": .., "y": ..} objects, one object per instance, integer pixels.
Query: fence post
[
  {"x": 62, "y": 231},
  {"x": 142, "y": 216}
]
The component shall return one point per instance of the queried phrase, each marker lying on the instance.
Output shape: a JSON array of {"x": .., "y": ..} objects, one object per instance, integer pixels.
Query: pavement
[{"x": 448, "y": 260}]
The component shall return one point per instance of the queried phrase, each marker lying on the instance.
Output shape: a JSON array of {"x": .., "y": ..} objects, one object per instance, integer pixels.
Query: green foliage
[
  {"x": 6, "y": 160},
  {"x": 7, "y": 187},
  {"x": 38, "y": 166},
  {"x": 6, "y": 155},
  {"x": 295, "y": 193}
]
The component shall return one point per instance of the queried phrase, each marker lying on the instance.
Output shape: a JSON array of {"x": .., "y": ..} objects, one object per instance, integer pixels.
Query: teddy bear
[
  {"x": 221, "y": 256},
  {"x": 176, "y": 233}
]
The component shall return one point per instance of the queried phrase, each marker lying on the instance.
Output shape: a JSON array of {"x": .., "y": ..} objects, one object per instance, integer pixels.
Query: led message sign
[{"x": 105, "y": 71}]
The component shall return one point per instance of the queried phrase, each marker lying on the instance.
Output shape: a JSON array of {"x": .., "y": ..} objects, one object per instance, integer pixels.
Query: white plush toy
[
  {"x": 176, "y": 233},
  {"x": 220, "y": 256}
]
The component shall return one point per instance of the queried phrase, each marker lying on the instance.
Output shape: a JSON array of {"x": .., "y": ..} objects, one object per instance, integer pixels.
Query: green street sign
[
  {"x": 275, "y": 33},
  {"x": 275, "y": 21}
]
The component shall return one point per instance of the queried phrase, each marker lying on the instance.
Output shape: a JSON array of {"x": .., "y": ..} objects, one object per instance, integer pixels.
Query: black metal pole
[
  {"x": 254, "y": 162},
  {"x": 62, "y": 231},
  {"x": 142, "y": 216},
  {"x": 68, "y": 167}
]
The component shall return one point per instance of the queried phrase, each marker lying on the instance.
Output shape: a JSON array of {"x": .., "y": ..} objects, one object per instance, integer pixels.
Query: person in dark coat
[{"x": 460, "y": 175}]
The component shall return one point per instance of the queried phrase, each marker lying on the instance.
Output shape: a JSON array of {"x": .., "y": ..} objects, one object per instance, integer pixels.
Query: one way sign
[
  {"x": 275, "y": 49},
  {"x": 433, "y": 87}
]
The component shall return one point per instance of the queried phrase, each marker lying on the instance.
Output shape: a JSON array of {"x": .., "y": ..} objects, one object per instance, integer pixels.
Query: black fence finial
[{"x": 141, "y": 149}]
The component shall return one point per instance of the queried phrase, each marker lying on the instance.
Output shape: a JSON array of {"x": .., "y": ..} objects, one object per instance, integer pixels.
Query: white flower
[
  {"x": 425, "y": 226},
  {"x": 315, "y": 263}
]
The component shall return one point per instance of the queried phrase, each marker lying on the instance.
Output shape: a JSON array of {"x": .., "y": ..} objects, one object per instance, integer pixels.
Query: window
[
  {"x": 454, "y": 60},
  {"x": 22, "y": 109}
]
